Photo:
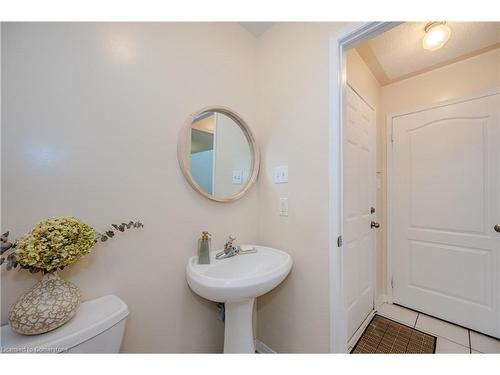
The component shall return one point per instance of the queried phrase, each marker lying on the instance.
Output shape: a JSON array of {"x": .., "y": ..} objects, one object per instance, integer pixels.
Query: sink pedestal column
[{"x": 238, "y": 331}]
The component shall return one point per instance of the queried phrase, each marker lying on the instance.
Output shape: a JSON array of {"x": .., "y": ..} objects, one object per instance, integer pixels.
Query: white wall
[
  {"x": 91, "y": 114},
  {"x": 464, "y": 78},
  {"x": 293, "y": 116},
  {"x": 360, "y": 77}
]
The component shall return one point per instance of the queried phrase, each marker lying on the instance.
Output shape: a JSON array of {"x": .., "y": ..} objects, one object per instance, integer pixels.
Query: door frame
[
  {"x": 346, "y": 39},
  {"x": 389, "y": 170}
]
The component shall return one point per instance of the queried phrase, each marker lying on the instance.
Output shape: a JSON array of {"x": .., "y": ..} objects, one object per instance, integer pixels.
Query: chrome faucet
[{"x": 230, "y": 250}]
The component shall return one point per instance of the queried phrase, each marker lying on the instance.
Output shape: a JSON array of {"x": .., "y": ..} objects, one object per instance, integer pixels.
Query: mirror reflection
[{"x": 220, "y": 157}]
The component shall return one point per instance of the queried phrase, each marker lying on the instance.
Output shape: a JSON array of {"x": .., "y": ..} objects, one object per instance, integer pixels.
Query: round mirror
[{"x": 218, "y": 154}]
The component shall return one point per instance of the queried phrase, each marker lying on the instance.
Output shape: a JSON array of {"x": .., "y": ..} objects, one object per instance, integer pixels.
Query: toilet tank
[{"x": 97, "y": 327}]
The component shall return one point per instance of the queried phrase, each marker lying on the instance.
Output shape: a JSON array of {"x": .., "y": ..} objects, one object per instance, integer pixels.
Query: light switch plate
[
  {"x": 281, "y": 174},
  {"x": 283, "y": 206}
]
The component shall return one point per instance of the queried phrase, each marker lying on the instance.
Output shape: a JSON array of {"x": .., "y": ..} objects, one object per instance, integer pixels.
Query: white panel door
[
  {"x": 359, "y": 198},
  {"x": 444, "y": 206}
]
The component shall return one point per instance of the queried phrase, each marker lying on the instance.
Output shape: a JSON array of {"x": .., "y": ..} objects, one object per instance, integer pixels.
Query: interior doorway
[{"x": 420, "y": 177}]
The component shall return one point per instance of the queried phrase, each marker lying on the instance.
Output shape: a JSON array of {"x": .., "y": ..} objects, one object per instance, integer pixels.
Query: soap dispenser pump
[{"x": 204, "y": 248}]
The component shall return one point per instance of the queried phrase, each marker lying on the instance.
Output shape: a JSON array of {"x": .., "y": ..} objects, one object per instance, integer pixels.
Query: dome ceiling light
[{"x": 436, "y": 35}]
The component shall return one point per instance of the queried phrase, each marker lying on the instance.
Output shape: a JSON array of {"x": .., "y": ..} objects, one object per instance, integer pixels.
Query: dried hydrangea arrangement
[
  {"x": 50, "y": 245},
  {"x": 55, "y": 243}
]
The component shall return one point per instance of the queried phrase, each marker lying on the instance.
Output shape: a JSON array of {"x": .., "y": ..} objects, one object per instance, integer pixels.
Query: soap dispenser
[{"x": 204, "y": 248}]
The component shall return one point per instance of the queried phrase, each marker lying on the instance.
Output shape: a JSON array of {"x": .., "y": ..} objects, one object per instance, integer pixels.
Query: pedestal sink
[{"x": 237, "y": 281}]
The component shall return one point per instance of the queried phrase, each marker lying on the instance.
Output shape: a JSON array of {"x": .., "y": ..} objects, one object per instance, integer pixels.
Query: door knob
[
  {"x": 497, "y": 228},
  {"x": 377, "y": 225}
]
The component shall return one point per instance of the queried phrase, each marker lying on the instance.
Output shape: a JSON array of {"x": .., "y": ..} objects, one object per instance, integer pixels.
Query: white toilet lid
[{"x": 93, "y": 317}]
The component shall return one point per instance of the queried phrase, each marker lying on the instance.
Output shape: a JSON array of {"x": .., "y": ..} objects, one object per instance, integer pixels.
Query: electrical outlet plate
[
  {"x": 237, "y": 176},
  {"x": 283, "y": 206}
]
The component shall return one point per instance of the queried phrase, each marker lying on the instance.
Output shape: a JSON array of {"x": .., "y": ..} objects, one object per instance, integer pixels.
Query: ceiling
[
  {"x": 398, "y": 53},
  {"x": 256, "y": 28}
]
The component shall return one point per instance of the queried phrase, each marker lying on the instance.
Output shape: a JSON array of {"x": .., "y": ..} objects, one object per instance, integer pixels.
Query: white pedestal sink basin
[{"x": 237, "y": 281}]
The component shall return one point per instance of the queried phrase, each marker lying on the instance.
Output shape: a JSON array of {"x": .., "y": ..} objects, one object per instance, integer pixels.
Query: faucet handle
[{"x": 229, "y": 242}]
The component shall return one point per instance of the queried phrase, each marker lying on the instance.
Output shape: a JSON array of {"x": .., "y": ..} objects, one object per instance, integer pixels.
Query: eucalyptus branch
[{"x": 110, "y": 233}]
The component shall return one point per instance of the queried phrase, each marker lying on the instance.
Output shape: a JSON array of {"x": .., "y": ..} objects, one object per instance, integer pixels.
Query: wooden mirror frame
[{"x": 182, "y": 149}]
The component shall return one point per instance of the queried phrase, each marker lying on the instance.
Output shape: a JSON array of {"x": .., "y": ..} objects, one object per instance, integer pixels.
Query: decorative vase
[{"x": 47, "y": 306}]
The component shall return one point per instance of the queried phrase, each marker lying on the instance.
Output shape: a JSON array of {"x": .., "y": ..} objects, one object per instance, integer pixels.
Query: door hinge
[
  {"x": 392, "y": 283},
  {"x": 339, "y": 241}
]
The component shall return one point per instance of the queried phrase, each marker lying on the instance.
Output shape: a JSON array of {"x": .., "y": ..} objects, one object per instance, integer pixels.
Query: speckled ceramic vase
[{"x": 47, "y": 306}]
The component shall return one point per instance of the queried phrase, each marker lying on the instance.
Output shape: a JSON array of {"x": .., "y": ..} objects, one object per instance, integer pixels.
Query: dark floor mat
[{"x": 383, "y": 335}]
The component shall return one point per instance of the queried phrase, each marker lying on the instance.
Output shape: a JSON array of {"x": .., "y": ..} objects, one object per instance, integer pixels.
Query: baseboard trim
[
  {"x": 262, "y": 348},
  {"x": 354, "y": 339},
  {"x": 380, "y": 301}
]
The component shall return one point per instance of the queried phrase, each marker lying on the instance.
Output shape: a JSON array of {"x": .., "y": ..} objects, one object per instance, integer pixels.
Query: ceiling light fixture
[{"x": 436, "y": 35}]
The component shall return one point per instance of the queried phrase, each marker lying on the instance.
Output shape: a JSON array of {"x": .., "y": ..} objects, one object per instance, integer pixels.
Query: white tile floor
[{"x": 450, "y": 338}]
